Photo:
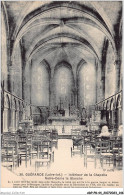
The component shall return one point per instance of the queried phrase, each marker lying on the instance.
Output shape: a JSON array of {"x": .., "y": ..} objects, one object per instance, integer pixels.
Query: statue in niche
[
  {"x": 61, "y": 109},
  {"x": 83, "y": 116}
]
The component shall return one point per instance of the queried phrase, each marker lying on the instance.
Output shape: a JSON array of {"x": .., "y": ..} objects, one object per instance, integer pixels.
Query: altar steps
[{"x": 64, "y": 136}]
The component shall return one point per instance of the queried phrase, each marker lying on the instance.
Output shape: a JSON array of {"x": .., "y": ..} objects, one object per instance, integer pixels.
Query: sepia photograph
[{"x": 61, "y": 95}]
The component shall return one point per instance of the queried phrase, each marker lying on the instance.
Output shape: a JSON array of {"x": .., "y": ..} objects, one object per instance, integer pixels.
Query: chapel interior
[{"x": 61, "y": 83}]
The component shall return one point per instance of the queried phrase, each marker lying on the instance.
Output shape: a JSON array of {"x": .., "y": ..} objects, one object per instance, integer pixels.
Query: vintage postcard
[{"x": 61, "y": 96}]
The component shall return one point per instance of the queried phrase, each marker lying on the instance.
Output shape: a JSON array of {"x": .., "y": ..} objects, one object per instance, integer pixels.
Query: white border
[{"x": 81, "y": 191}]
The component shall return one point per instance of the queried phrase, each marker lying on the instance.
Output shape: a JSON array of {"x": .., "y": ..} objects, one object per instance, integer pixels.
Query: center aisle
[{"x": 63, "y": 160}]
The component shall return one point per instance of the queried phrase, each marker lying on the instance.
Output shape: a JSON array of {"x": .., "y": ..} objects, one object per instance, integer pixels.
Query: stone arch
[
  {"x": 108, "y": 105},
  {"x": 62, "y": 63},
  {"x": 80, "y": 64},
  {"x": 7, "y": 102},
  {"x": 46, "y": 64},
  {"x": 118, "y": 102},
  {"x": 14, "y": 104},
  {"x": 112, "y": 104},
  {"x": 104, "y": 106},
  {"x": 118, "y": 110}
]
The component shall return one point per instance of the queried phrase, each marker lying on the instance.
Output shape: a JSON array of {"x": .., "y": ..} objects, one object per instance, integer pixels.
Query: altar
[
  {"x": 63, "y": 114},
  {"x": 63, "y": 120}
]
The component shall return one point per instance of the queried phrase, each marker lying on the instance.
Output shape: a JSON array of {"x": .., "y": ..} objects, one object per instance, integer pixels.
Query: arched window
[
  {"x": 86, "y": 85},
  {"x": 64, "y": 85},
  {"x": 40, "y": 85}
]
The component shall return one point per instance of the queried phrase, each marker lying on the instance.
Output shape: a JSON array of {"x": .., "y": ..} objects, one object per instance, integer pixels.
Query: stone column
[
  {"x": 107, "y": 116},
  {"x": 119, "y": 116},
  {"x": 10, "y": 79},
  {"x": 13, "y": 120},
  {"x": 23, "y": 115},
  {"x": 17, "y": 120},
  {"x": 51, "y": 91},
  {"x": 100, "y": 82},
  {"x": 118, "y": 75},
  {"x": 75, "y": 97},
  {"x": 20, "y": 115},
  {"x": 5, "y": 120},
  {"x": 103, "y": 115}
]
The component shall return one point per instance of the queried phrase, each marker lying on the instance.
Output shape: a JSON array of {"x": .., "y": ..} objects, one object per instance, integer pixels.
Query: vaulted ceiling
[{"x": 70, "y": 31}]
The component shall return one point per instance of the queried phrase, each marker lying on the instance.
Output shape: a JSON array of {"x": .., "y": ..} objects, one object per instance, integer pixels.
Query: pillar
[
  {"x": 118, "y": 74},
  {"x": 51, "y": 91},
  {"x": 5, "y": 120},
  {"x": 13, "y": 120},
  {"x": 17, "y": 120}
]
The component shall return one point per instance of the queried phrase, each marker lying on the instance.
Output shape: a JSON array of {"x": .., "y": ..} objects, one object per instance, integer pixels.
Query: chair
[
  {"x": 41, "y": 162},
  {"x": 38, "y": 142},
  {"x": 77, "y": 147},
  {"x": 104, "y": 149},
  {"x": 54, "y": 143},
  {"x": 89, "y": 149},
  {"x": 45, "y": 155},
  {"x": 46, "y": 133},
  {"x": 75, "y": 133},
  {"x": 24, "y": 150},
  {"x": 35, "y": 143},
  {"x": 9, "y": 154},
  {"x": 54, "y": 134},
  {"x": 45, "y": 152},
  {"x": 77, "y": 150},
  {"x": 118, "y": 152},
  {"x": 8, "y": 136},
  {"x": 88, "y": 143}
]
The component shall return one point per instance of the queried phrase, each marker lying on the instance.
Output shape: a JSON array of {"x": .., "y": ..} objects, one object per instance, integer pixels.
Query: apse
[
  {"x": 40, "y": 85},
  {"x": 64, "y": 83},
  {"x": 86, "y": 85}
]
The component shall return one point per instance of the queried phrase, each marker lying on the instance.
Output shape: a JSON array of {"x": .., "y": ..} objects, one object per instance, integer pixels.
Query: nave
[{"x": 61, "y": 86}]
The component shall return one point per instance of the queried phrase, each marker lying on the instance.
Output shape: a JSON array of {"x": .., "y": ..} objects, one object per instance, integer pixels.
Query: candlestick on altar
[
  {"x": 69, "y": 109},
  {"x": 60, "y": 104}
]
